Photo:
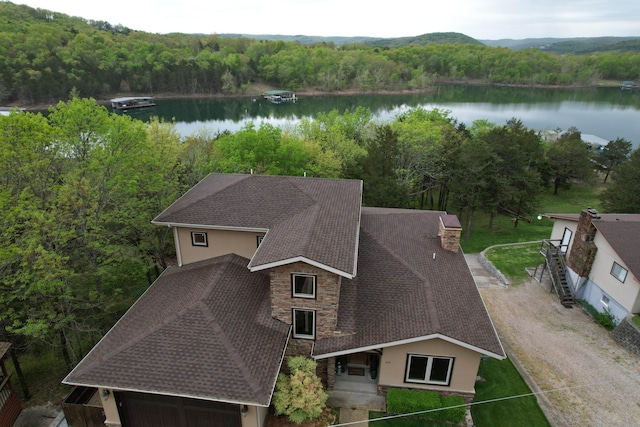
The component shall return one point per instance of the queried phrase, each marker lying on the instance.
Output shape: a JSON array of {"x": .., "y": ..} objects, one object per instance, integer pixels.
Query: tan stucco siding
[
  {"x": 112, "y": 416},
  {"x": 393, "y": 365},
  {"x": 559, "y": 226},
  {"x": 627, "y": 294},
  {"x": 219, "y": 242}
]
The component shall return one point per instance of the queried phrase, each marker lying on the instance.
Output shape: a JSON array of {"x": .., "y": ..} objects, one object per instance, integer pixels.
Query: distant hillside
[
  {"x": 430, "y": 38},
  {"x": 300, "y": 38},
  {"x": 579, "y": 45}
]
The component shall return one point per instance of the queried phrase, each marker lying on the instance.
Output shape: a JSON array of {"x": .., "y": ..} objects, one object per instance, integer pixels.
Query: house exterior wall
[
  {"x": 255, "y": 417},
  {"x": 325, "y": 302},
  {"x": 558, "y": 230},
  {"x": 626, "y": 294},
  {"x": 110, "y": 409},
  {"x": 393, "y": 365},
  {"x": 624, "y": 297},
  {"x": 220, "y": 242}
]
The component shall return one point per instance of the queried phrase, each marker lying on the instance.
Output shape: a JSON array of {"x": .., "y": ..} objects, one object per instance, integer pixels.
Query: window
[
  {"x": 429, "y": 369},
  {"x": 199, "y": 238},
  {"x": 259, "y": 239},
  {"x": 605, "y": 300},
  {"x": 303, "y": 285},
  {"x": 304, "y": 323},
  {"x": 619, "y": 272}
]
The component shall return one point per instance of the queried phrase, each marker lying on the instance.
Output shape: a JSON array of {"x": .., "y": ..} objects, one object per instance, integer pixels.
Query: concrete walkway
[
  {"x": 355, "y": 416},
  {"x": 41, "y": 416},
  {"x": 483, "y": 278}
]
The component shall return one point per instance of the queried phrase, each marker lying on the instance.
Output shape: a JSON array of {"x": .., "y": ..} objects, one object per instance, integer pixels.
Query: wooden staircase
[{"x": 561, "y": 281}]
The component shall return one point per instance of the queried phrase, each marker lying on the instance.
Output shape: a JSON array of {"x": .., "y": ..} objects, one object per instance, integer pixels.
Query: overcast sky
[{"x": 480, "y": 19}]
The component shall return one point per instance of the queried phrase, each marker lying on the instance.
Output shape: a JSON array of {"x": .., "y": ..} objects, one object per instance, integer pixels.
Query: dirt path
[{"x": 560, "y": 348}]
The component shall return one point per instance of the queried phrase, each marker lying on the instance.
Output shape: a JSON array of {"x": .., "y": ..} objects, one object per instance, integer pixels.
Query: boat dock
[
  {"x": 132, "y": 102},
  {"x": 279, "y": 96}
]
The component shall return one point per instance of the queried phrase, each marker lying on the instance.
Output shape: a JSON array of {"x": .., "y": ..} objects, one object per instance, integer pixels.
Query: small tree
[{"x": 299, "y": 395}]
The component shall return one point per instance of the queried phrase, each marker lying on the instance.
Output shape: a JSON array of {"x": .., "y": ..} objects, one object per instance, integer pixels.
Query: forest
[{"x": 44, "y": 55}]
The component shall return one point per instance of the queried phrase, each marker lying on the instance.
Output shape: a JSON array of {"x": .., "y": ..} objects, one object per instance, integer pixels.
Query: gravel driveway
[{"x": 596, "y": 381}]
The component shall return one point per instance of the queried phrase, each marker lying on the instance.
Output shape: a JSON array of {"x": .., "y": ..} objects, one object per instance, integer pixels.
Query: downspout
[{"x": 176, "y": 239}]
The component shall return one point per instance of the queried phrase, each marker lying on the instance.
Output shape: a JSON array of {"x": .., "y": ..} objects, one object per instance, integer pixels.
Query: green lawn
[
  {"x": 410, "y": 421},
  {"x": 503, "y": 380},
  {"x": 513, "y": 260},
  {"x": 567, "y": 201}
]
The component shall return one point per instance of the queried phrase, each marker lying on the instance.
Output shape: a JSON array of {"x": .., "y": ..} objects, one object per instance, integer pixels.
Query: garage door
[{"x": 148, "y": 410}]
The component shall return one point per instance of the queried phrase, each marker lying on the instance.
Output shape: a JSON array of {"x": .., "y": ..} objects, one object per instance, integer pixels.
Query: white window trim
[
  {"x": 301, "y": 295},
  {"x": 428, "y": 369},
  {"x": 304, "y": 336},
  {"x": 259, "y": 240},
  {"x": 193, "y": 240},
  {"x": 622, "y": 269}
]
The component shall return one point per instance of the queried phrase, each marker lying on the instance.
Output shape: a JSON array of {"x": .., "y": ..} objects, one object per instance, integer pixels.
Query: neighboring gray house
[
  {"x": 275, "y": 266},
  {"x": 602, "y": 254}
]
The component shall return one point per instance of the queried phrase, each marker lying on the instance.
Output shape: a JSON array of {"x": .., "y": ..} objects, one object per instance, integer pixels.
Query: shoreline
[{"x": 258, "y": 89}]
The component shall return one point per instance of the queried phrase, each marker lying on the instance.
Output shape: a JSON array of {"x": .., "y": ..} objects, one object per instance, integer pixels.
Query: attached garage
[{"x": 149, "y": 410}]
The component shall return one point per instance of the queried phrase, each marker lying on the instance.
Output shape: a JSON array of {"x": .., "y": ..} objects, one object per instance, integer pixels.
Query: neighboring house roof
[
  {"x": 408, "y": 288},
  {"x": 309, "y": 219},
  {"x": 622, "y": 231},
  {"x": 201, "y": 330}
]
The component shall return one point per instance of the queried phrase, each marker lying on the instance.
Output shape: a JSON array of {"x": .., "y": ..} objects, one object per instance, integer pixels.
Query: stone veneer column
[
  {"x": 325, "y": 303},
  {"x": 583, "y": 250},
  {"x": 449, "y": 231}
]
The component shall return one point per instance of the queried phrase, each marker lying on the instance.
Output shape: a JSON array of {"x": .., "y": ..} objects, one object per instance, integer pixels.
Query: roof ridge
[
  {"x": 218, "y": 330},
  {"x": 236, "y": 357},
  {"x": 231, "y": 183}
]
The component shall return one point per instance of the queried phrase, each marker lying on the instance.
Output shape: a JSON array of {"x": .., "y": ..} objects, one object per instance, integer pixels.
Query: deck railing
[{"x": 10, "y": 406}]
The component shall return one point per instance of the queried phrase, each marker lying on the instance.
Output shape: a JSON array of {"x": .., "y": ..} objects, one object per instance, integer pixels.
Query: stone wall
[
  {"x": 325, "y": 303},
  {"x": 449, "y": 232},
  {"x": 583, "y": 251},
  {"x": 627, "y": 335}
]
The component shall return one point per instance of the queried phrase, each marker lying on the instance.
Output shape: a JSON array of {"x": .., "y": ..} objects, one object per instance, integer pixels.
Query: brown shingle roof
[
  {"x": 318, "y": 217},
  {"x": 202, "y": 330},
  {"x": 402, "y": 292},
  {"x": 623, "y": 234}
]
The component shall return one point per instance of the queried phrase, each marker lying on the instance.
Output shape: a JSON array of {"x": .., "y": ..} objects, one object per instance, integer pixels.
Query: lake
[{"x": 608, "y": 113}]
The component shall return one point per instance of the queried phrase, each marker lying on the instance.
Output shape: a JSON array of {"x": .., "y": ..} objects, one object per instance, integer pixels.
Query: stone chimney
[
  {"x": 583, "y": 250},
  {"x": 449, "y": 232}
]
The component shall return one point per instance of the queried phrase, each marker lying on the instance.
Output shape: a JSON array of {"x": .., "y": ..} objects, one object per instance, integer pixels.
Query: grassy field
[
  {"x": 513, "y": 260},
  {"x": 568, "y": 201}
]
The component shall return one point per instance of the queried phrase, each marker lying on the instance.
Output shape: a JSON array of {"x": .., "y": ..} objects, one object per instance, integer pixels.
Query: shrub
[
  {"x": 404, "y": 401},
  {"x": 606, "y": 318},
  {"x": 299, "y": 395}
]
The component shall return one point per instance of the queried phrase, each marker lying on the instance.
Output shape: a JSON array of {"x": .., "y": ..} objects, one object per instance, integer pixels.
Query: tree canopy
[
  {"x": 44, "y": 55},
  {"x": 623, "y": 194}
]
